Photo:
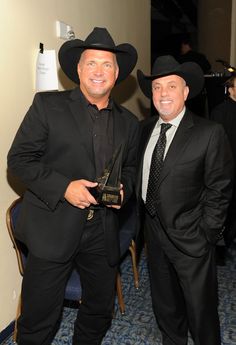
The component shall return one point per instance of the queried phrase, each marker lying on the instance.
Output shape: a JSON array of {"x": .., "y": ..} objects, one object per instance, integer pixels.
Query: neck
[{"x": 100, "y": 102}]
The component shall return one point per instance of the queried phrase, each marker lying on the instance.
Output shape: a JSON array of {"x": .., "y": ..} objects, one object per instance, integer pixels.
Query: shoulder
[
  {"x": 221, "y": 106},
  {"x": 149, "y": 121},
  {"x": 203, "y": 122},
  {"x": 147, "y": 125},
  {"x": 46, "y": 104},
  {"x": 208, "y": 135},
  {"x": 52, "y": 96},
  {"x": 221, "y": 111},
  {"x": 126, "y": 113},
  {"x": 204, "y": 125}
]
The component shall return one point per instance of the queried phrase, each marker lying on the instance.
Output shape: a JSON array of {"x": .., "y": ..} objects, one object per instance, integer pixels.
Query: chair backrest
[
  {"x": 128, "y": 226},
  {"x": 20, "y": 248},
  {"x": 73, "y": 289}
]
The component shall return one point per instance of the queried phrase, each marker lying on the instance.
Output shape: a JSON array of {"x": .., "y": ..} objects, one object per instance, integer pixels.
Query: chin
[
  {"x": 166, "y": 116},
  {"x": 165, "y": 113}
]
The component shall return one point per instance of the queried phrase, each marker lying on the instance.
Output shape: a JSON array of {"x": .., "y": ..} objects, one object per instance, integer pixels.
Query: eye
[
  {"x": 108, "y": 65},
  {"x": 91, "y": 63},
  {"x": 156, "y": 87}
]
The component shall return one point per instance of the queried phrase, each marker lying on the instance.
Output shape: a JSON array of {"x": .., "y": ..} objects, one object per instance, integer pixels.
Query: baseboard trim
[{"x": 4, "y": 334}]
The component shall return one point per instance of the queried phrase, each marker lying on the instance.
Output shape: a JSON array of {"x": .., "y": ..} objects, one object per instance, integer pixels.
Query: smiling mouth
[
  {"x": 96, "y": 81},
  {"x": 165, "y": 101}
]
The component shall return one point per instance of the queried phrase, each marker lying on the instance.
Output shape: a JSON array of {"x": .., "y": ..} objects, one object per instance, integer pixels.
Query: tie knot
[{"x": 165, "y": 127}]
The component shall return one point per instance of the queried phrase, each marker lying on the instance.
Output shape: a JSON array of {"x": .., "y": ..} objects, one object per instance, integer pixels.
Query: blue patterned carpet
[{"x": 138, "y": 326}]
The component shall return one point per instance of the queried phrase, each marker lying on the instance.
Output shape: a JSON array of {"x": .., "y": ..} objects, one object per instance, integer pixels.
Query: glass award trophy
[{"x": 107, "y": 191}]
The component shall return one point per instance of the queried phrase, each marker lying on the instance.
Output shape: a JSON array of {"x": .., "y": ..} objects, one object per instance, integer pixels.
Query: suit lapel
[
  {"x": 146, "y": 132},
  {"x": 118, "y": 127},
  {"x": 82, "y": 121},
  {"x": 178, "y": 145}
]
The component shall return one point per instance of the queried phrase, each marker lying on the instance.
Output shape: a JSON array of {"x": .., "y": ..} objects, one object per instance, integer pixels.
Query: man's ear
[
  {"x": 117, "y": 72},
  {"x": 78, "y": 68},
  {"x": 186, "y": 92}
]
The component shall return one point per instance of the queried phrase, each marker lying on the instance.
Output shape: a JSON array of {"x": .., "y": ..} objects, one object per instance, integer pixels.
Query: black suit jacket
[
  {"x": 225, "y": 114},
  {"x": 195, "y": 185},
  {"x": 52, "y": 147}
]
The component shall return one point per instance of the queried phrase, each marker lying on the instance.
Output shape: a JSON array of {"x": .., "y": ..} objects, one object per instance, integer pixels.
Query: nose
[
  {"x": 98, "y": 70},
  {"x": 164, "y": 91}
]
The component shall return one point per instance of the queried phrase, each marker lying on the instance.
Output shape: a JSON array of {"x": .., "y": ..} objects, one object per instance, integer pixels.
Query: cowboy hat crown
[
  {"x": 166, "y": 65},
  {"x": 99, "y": 39}
]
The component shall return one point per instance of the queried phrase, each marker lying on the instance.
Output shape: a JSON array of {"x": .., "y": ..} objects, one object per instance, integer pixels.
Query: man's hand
[{"x": 78, "y": 195}]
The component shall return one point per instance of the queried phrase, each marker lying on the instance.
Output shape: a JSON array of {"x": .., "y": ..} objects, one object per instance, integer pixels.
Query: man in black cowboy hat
[
  {"x": 62, "y": 146},
  {"x": 184, "y": 187}
]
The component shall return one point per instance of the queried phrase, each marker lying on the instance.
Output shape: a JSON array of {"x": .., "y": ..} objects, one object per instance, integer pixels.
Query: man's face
[
  {"x": 98, "y": 71},
  {"x": 232, "y": 91},
  {"x": 169, "y": 95}
]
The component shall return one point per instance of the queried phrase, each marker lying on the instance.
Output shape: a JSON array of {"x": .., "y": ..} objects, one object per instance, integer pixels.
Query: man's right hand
[{"x": 78, "y": 195}]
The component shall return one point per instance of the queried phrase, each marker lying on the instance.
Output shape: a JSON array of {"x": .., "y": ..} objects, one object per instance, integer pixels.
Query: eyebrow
[{"x": 169, "y": 82}]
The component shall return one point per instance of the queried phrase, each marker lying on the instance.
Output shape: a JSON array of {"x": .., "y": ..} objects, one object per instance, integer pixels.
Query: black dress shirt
[{"x": 102, "y": 133}]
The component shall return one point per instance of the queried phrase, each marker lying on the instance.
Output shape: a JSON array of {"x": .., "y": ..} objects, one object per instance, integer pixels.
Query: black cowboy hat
[
  {"x": 99, "y": 39},
  {"x": 166, "y": 65}
]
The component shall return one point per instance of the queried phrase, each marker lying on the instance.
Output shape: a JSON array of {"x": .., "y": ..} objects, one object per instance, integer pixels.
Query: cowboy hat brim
[
  {"x": 70, "y": 53},
  {"x": 189, "y": 71}
]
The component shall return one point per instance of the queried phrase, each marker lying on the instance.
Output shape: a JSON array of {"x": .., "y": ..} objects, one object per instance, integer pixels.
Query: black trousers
[
  {"x": 230, "y": 226},
  {"x": 43, "y": 289},
  {"x": 183, "y": 288}
]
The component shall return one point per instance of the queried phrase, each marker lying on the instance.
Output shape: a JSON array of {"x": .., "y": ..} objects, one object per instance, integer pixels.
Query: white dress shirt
[{"x": 151, "y": 144}]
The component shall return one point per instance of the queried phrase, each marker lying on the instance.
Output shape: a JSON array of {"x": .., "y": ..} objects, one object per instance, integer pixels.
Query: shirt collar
[{"x": 88, "y": 104}]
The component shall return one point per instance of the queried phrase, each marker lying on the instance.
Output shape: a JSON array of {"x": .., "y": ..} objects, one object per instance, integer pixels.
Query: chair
[
  {"x": 73, "y": 291},
  {"x": 128, "y": 227}
]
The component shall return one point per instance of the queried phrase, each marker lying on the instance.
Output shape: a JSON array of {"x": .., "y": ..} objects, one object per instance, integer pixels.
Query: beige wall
[
  {"x": 214, "y": 30},
  {"x": 23, "y": 24},
  {"x": 233, "y": 35}
]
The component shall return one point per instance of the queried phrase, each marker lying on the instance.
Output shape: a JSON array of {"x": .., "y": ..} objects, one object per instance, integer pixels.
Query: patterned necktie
[{"x": 155, "y": 169}]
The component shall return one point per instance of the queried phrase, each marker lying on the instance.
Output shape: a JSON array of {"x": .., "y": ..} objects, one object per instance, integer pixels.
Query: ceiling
[
  {"x": 182, "y": 14},
  {"x": 170, "y": 19}
]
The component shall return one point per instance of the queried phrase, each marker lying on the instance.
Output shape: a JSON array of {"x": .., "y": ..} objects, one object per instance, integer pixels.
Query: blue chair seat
[{"x": 73, "y": 288}]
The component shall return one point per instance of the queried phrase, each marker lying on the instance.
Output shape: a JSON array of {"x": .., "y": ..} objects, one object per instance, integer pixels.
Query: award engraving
[{"x": 107, "y": 191}]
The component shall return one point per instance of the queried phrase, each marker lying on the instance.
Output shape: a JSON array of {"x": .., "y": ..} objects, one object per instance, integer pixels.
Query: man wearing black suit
[
  {"x": 184, "y": 189},
  {"x": 225, "y": 114},
  {"x": 61, "y": 148}
]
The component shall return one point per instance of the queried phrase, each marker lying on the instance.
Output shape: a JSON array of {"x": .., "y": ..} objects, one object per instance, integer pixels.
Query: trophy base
[{"x": 107, "y": 196}]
